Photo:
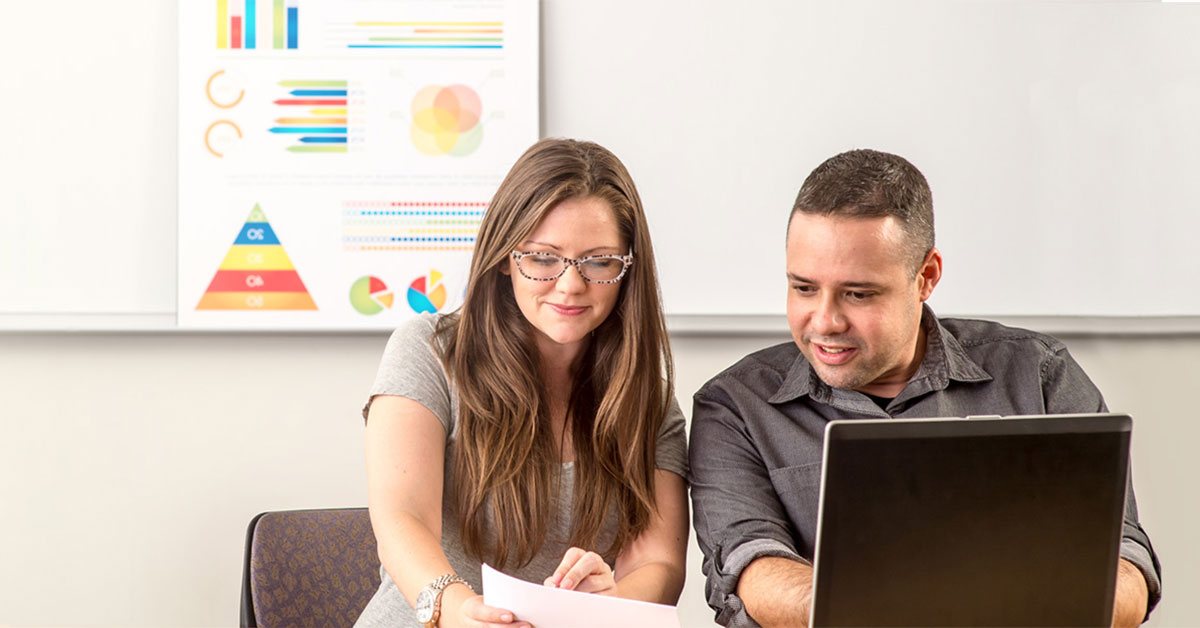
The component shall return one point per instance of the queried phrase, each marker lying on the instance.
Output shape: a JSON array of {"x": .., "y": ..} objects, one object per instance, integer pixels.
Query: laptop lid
[{"x": 967, "y": 522}]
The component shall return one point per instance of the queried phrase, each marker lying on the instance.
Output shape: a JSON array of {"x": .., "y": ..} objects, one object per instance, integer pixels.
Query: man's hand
[{"x": 777, "y": 591}]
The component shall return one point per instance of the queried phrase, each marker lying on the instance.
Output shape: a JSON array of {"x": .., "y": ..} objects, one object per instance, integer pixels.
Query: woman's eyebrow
[{"x": 558, "y": 249}]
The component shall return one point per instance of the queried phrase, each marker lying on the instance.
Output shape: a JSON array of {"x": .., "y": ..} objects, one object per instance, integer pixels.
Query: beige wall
[{"x": 130, "y": 464}]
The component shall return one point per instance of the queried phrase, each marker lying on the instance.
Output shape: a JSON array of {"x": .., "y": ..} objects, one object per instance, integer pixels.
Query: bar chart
[
  {"x": 430, "y": 35},
  {"x": 237, "y": 24},
  {"x": 421, "y": 226},
  {"x": 316, "y": 114},
  {"x": 286, "y": 14}
]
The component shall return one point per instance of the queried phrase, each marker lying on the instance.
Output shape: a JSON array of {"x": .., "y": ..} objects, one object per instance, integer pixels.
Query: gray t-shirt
[{"x": 411, "y": 369}]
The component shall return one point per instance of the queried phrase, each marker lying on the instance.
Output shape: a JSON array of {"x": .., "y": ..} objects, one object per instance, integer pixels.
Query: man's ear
[{"x": 929, "y": 274}]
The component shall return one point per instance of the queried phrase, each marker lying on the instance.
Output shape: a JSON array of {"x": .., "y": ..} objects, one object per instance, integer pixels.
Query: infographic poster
[{"x": 336, "y": 156}]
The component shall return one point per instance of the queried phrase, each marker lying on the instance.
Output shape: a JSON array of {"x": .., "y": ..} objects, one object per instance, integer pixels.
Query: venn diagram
[{"x": 446, "y": 120}]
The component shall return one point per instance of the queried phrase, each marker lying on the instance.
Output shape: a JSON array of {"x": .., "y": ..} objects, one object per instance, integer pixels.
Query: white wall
[{"x": 130, "y": 464}]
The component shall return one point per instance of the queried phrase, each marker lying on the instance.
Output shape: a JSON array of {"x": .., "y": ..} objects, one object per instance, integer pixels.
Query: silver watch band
[{"x": 447, "y": 579}]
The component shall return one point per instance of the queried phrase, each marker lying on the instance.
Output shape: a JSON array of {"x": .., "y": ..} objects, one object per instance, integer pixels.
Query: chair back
[{"x": 308, "y": 568}]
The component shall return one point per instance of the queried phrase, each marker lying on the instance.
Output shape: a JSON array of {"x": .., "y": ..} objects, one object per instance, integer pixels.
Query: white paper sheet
[{"x": 546, "y": 607}]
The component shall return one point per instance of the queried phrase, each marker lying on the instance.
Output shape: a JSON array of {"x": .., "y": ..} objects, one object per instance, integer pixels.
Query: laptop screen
[{"x": 940, "y": 522}]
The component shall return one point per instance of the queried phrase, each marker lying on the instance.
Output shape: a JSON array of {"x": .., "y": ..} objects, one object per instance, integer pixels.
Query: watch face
[{"x": 425, "y": 605}]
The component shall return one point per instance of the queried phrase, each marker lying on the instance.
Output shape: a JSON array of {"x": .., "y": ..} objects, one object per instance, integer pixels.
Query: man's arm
[
  {"x": 1068, "y": 390},
  {"x": 1129, "y": 606},
  {"x": 777, "y": 591},
  {"x": 739, "y": 517}
]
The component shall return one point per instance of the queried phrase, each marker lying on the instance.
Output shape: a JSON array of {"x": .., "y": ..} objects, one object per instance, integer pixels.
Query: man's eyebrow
[{"x": 848, "y": 284}]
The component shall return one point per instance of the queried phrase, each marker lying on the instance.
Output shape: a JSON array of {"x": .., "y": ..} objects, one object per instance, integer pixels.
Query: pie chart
[
  {"x": 427, "y": 294},
  {"x": 369, "y": 295}
]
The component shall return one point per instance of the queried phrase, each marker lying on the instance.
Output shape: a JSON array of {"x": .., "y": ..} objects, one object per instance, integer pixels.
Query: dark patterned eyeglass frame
[{"x": 626, "y": 261}]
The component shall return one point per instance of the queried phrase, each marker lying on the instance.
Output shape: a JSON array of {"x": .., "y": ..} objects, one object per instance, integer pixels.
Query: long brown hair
[{"x": 506, "y": 464}]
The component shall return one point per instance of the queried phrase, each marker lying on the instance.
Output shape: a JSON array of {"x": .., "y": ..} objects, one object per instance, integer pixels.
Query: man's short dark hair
[{"x": 872, "y": 184}]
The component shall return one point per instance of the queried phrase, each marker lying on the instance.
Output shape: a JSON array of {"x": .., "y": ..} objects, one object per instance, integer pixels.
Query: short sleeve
[
  {"x": 670, "y": 452},
  {"x": 410, "y": 368}
]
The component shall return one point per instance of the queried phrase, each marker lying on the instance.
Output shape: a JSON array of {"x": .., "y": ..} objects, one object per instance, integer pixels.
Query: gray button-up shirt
[{"x": 757, "y": 432}]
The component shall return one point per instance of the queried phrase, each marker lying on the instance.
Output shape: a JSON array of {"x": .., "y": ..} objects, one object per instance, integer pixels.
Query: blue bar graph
[
  {"x": 416, "y": 46},
  {"x": 293, "y": 28},
  {"x": 319, "y": 92},
  {"x": 309, "y": 129},
  {"x": 323, "y": 140},
  {"x": 251, "y": 24}
]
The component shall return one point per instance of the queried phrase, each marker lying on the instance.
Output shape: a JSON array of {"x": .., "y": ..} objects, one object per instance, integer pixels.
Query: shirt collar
[{"x": 945, "y": 360}]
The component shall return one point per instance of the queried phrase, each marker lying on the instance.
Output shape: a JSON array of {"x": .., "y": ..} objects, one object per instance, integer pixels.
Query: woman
[{"x": 533, "y": 429}]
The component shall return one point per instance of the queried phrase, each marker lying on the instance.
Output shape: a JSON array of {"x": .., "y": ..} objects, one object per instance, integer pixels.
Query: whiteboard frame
[{"x": 677, "y": 324}]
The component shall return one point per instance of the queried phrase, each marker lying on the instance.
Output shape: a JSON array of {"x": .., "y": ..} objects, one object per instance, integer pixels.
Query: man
[{"x": 860, "y": 266}]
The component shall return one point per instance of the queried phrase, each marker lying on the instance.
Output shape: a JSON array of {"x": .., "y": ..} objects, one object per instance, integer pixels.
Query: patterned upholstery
[{"x": 309, "y": 568}]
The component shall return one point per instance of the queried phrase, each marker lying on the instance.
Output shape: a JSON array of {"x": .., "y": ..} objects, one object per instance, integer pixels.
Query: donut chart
[
  {"x": 427, "y": 293},
  {"x": 446, "y": 120},
  {"x": 370, "y": 296}
]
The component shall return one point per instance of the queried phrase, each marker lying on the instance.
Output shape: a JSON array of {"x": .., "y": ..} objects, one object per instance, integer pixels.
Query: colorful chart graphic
[
  {"x": 236, "y": 29},
  {"x": 427, "y": 294},
  {"x": 256, "y": 273},
  {"x": 287, "y": 24},
  {"x": 224, "y": 90},
  {"x": 316, "y": 111},
  {"x": 370, "y": 296},
  {"x": 411, "y": 225},
  {"x": 446, "y": 120},
  {"x": 422, "y": 35}
]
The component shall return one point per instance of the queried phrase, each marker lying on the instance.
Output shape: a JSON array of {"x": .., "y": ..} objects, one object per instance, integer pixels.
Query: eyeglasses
[{"x": 593, "y": 268}]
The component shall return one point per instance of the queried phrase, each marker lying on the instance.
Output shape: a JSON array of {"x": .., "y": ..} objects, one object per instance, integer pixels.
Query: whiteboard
[{"x": 1061, "y": 141}]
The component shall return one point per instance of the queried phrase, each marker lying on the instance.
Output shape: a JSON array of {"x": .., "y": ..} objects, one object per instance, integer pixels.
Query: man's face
[{"x": 854, "y": 305}]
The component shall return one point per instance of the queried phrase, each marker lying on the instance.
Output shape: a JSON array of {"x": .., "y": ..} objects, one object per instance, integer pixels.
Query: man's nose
[{"x": 828, "y": 319}]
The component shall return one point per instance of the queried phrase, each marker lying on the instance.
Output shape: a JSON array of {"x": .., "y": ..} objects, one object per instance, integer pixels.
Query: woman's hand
[
  {"x": 473, "y": 613},
  {"x": 583, "y": 571}
]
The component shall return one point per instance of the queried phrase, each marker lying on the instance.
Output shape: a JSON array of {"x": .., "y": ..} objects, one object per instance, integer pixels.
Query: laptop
[{"x": 970, "y": 522}]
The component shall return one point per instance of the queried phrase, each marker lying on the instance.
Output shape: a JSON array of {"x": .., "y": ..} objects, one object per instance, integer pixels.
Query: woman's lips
[{"x": 568, "y": 310}]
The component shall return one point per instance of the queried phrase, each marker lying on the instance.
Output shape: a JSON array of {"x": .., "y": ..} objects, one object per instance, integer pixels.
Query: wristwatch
[{"x": 429, "y": 600}]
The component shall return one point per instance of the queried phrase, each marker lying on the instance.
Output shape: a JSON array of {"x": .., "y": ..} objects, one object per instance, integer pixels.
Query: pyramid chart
[{"x": 256, "y": 274}]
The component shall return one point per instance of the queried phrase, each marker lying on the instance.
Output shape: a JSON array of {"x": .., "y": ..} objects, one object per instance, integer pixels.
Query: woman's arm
[
  {"x": 405, "y": 452},
  {"x": 652, "y": 567}
]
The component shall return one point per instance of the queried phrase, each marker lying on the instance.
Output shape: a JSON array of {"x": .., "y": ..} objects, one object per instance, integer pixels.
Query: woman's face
[{"x": 564, "y": 311}]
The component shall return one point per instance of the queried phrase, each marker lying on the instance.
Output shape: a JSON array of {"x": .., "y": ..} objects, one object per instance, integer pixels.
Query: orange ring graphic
[
  {"x": 208, "y": 92},
  {"x": 208, "y": 132}
]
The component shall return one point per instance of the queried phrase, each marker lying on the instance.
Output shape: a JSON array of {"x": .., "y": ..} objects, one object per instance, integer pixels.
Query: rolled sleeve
[
  {"x": 738, "y": 516},
  {"x": 1136, "y": 548},
  {"x": 1068, "y": 390}
]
